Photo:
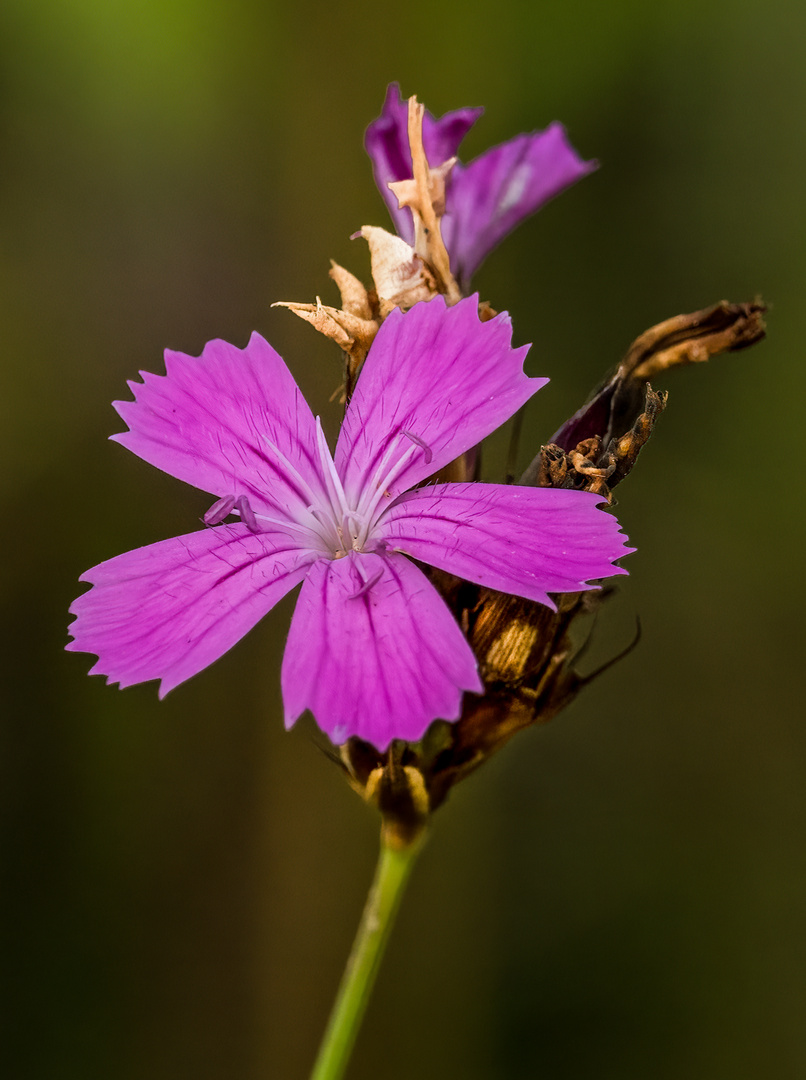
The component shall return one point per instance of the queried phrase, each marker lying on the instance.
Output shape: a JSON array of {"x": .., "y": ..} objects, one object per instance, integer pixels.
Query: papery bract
[
  {"x": 486, "y": 199},
  {"x": 373, "y": 650}
]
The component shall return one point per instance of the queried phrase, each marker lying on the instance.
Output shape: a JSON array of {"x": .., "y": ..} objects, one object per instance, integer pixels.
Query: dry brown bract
[{"x": 402, "y": 275}]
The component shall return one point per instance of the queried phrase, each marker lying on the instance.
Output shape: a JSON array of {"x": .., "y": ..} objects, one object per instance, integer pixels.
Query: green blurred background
[{"x": 620, "y": 894}]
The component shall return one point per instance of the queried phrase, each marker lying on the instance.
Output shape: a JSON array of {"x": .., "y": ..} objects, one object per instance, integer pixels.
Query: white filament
[{"x": 331, "y": 525}]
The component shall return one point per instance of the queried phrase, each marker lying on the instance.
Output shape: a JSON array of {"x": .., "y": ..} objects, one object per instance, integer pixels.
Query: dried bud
[
  {"x": 352, "y": 333},
  {"x": 685, "y": 339},
  {"x": 401, "y": 277},
  {"x": 355, "y": 300},
  {"x": 524, "y": 650}
]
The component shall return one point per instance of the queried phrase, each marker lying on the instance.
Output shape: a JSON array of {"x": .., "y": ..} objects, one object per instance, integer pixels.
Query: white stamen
[
  {"x": 338, "y": 500},
  {"x": 381, "y": 481},
  {"x": 292, "y": 471},
  {"x": 328, "y": 523},
  {"x": 314, "y": 534}
]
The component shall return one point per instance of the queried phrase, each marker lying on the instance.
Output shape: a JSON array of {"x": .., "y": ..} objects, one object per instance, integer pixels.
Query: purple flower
[
  {"x": 487, "y": 198},
  {"x": 373, "y": 650}
]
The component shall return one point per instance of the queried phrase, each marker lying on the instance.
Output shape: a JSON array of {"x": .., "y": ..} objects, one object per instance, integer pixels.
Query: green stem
[{"x": 391, "y": 874}]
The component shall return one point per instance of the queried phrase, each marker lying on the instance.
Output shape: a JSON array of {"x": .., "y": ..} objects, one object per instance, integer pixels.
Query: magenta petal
[
  {"x": 436, "y": 382},
  {"x": 486, "y": 199},
  {"x": 520, "y": 540},
  {"x": 211, "y": 421},
  {"x": 168, "y": 610},
  {"x": 491, "y": 196},
  {"x": 373, "y": 651},
  {"x": 387, "y": 144}
]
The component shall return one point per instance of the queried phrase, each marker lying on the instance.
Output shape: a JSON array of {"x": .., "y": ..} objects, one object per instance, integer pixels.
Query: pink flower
[
  {"x": 487, "y": 198},
  {"x": 373, "y": 650}
]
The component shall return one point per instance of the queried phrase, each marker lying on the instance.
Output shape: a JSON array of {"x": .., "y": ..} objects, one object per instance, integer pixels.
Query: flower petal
[
  {"x": 520, "y": 540},
  {"x": 168, "y": 610},
  {"x": 373, "y": 651},
  {"x": 211, "y": 421},
  {"x": 436, "y": 382},
  {"x": 492, "y": 195},
  {"x": 387, "y": 144}
]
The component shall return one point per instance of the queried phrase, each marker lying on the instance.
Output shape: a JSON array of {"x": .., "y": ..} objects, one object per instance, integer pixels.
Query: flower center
[
  {"x": 352, "y": 521},
  {"x": 327, "y": 521}
]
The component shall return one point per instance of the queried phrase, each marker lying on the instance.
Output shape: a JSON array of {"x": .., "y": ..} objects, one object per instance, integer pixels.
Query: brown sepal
[
  {"x": 691, "y": 339},
  {"x": 591, "y": 466},
  {"x": 355, "y": 298},
  {"x": 401, "y": 277},
  {"x": 684, "y": 339},
  {"x": 352, "y": 333},
  {"x": 393, "y": 783}
]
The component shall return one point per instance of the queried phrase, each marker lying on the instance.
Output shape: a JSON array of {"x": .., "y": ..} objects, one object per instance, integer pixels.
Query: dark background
[{"x": 620, "y": 894}]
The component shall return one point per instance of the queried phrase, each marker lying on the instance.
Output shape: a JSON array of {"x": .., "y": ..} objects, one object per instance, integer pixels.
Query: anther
[
  {"x": 247, "y": 514},
  {"x": 376, "y": 577},
  {"x": 427, "y": 453},
  {"x": 219, "y": 510}
]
